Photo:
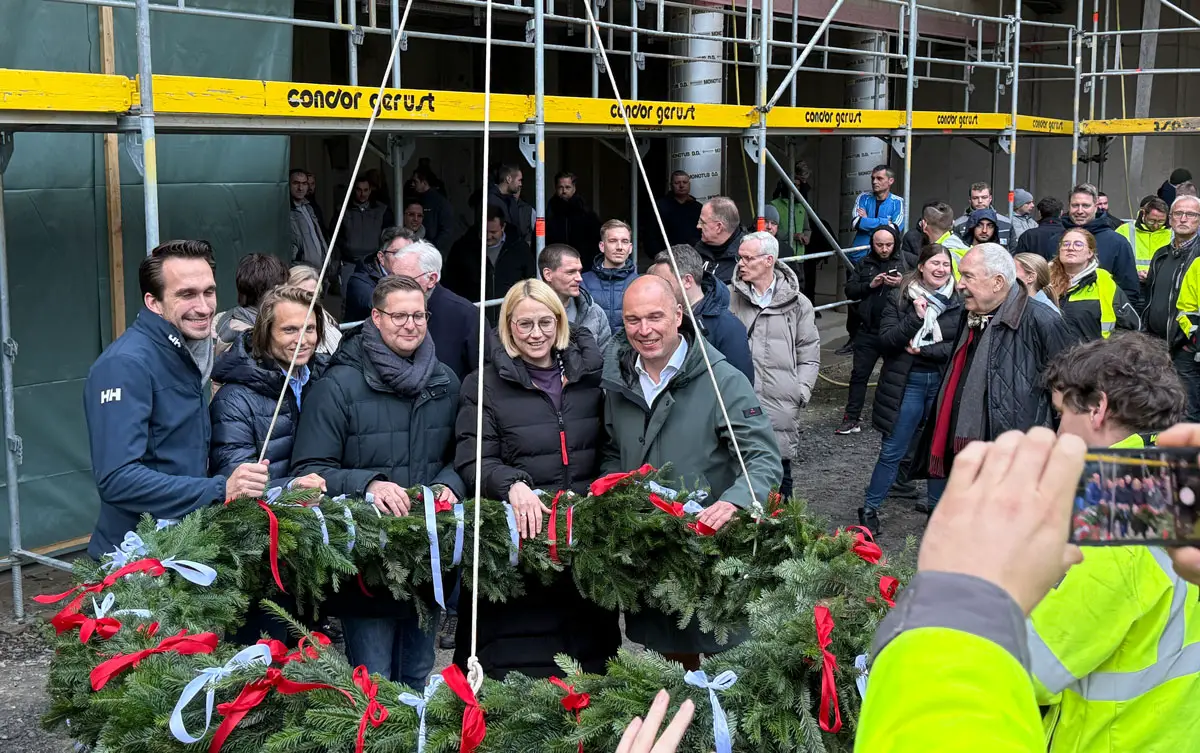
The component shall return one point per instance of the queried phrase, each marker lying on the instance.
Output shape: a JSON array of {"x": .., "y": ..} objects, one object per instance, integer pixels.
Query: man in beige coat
[{"x": 784, "y": 343}]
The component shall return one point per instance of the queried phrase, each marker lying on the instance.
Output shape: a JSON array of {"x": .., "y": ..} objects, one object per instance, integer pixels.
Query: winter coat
[
  {"x": 679, "y": 220},
  {"x": 790, "y": 227},
  {"x": 786, "y": 349},
  {"x": 1166, "y": 192},
  {"x": 1041, "y": 240},
  {"x": 525, "y": 438},
  {"x": 1003, "y": 227},
  {"x": 1027, "y": 337},
  {"x": 241, "y": 412},
  {"x": 872, "y": 301},
  {"x": 362, "y": 228},
  {"x": 518, "y": 214},
  {"x": 308, "y": 236},
  {"x": 439, "y": 221},
  {"x": 1020, "y": 224},
  {"x": 685, "y": 428},
  {"x": 721, "y": 328},
  {"x": 1164, "y": 282},
  {"x": 584, "y": 312},
  {"x": 570, "y": 221},
  {"x": 721, "y": 259},
  {"x": 360, "y": 288},
  {"x": 1113, "y": 251},
  {"x": 229, "y": 326},
  {"x": 1085, "y": 317},
  {"x": 607, "y": 287},
  {"x": 148, "y": 427},
  {"x": 454, "y": 328},
  {"x": 910, "y": 248},
  {"x": 514, "y": 263},
  {"x": 899, "y": 325}
]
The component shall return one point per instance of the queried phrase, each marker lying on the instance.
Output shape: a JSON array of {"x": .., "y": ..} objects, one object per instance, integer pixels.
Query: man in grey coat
[
  {"x": 562, "y": 270},
  {"x": 660, "y": 408}
]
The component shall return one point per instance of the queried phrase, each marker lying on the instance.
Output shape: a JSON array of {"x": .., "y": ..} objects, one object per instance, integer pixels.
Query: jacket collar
[
  {"x": 1010, "y": 312},
  {"x": 164, "y": 334}
]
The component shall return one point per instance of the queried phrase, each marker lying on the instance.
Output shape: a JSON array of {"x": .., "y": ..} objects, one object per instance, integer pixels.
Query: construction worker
[
  {"x": 1175, "y": 279},
  {"x": 938, "y": 226},
  {"x": 1115, "y": 646},
  {"x": 1147, "y": 233},
  {"x": 1092, "y": 303}
]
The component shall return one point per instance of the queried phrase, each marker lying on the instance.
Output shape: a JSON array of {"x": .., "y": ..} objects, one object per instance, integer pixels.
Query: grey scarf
[
  {"x": 406, "y": 376},
  {"x": 202, "y": 354}
]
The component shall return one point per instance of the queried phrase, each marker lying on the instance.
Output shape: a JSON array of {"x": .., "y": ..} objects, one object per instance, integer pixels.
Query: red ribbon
[
  {"x": 674, "y": 509},
  {"x": 273, "y": 526},
  {"x": 552, "y": 531},
  {"x": 864, "y": 545},
  {"x": 829, "y": 699},
  {"x": 887, "y": 589},
  {"x": 105, "y": 627},
  {"x": 474, "y": 728},
  {"x": 363, "y": 587},
  {"x": 148, "y": 565},
  {"x": 604, "y": 484},
  {"x": 441, "y": 505},
  {"x": 182, "y": 643},
  {"x": 376, "y": 713},
  {"x": 573, "y": 701},
  {"x": 256, "y": 692},
  {"x": 701, "y": 529},
  {"x": 150, "y": 630}
]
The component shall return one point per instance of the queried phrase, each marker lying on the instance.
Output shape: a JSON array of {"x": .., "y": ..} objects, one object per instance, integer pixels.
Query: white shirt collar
[
  {"x": 764, "y": 298},
  {"x": 651, "y": 389}
]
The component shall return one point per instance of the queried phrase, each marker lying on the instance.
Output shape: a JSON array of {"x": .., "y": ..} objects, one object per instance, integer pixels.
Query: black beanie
[{"x": 1180, "y": 175}]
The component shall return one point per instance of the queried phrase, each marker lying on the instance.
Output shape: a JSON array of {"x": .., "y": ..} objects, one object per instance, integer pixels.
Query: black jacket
[
  {"x": 897, "y": 328},
  {"x": 1082, "y": 315},
  {"x": 359, "y": 289},
  {"x": 1041, "y": 240},
  {"x": 454, "y": 327},
  {"x": 872, "y": 301},
  {"x": 514, "y": 263},
  {"x": 1112, "y": 250},
  {"x": 721, "y": 328},
  {"x": 1162, "y": 285},
  {"x": 241, "y": 412},
  {"x": 721, "y": 260},
  {"x": 570, "y": 221},
  {"x": 680, "y": 221},
  {"x": 910, "y": 247},
  {"x": 523, "y": 440},
  {"x": 518, "y": 214}
]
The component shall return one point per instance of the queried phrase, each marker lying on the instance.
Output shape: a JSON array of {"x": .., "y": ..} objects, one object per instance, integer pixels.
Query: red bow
[
  {"x": 376, "y": 713},
  {"x": 182, "y": 643},
  {"x": 254, "y": 693},
  {"x": 105, "y": 627},
  {"x": 672, "y": 508},
  {"x": 887, "y": 589},
  {"x": 701, "y": 528},
  {"x": 552, "y": 531},
  {"x": 573, "y": 701},
  {"x": 474, "y": 728},
  {"x": 829, "y": 699},
  {"x": 604, "y": 484},
  {"x": 150, "y": 630},
  {"x": 148, "y": 565},
  {"x": 441, "y": 505},
  {"x": 273, "y": 528},
  {"x": 864, "y": 545}
]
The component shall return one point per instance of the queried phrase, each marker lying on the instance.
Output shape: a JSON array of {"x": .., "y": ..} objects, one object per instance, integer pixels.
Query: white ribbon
[
  {"x": 349, "y": 528},
  {"x": 164, "y": 523},
  {"x": 275, "y": 492},
  {"x": 131, "y": 548},
  {"x": 207, "y": 680},
  {"x": 723, "y": 681},
  {"x": 458, "y": 534},
  {"x": 860, "y": 663},
  {"x": 514, "y": 535},
  {"x": 418, "y": 703},
  {"x": 435, "y": 557},
  {"x": 193, "y": 572},
  {"x": 109, "y": 600}
]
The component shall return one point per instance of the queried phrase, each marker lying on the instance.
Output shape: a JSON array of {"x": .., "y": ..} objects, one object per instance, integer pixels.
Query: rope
[
  {"x": 366, "y": 139},
  {"x": 474, "y": 668},
  {"x": 756, "y": 505}
]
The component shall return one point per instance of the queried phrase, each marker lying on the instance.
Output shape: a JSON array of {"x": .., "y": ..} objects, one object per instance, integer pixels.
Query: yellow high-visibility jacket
[{"x": 1145, "y": 242}]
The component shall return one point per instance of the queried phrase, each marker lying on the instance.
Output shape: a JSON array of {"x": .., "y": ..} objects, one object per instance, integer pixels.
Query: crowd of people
[{"x": 986, "y": 326}]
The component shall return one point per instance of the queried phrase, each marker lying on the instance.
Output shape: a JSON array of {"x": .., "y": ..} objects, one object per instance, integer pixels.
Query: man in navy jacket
[
  {"x": 453, "y": 320},
  {"x": 145, "y": 402}
]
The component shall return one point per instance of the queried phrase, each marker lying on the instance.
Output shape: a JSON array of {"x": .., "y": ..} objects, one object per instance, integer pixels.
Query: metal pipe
[
  {"x": 41, "y": 559},
  {"x": 794, "y": 49},
  {"x": 397, "y": 168},
  {"x": 1092, "y": 84},
  {"x": 351, "y": 47},
  {"x": 1012, "y": 136},
  {"x": 1139, "y": 32},
  {"x": 787, "y": 179},
  {"x": 12, "y": 473},
  {"x": 633, "y": 163},
  {"x": 910, "y": 91},
  {"x": 595, "y": 60},
  {"x": 1078, "y": 77},
  {"x": 764, "y": 53},
  {"x": 539, "y": 124},
  {"x": 808, "y": 48},
  {"x": 149, "y": 150},
  {"x": 1181, "y": 11},
  {"x": 1104, "y": 59},
  {"x": 1140, "y": 72}
]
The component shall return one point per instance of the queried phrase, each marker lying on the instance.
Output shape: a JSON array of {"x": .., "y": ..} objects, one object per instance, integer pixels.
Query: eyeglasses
[
  {"x": 749, "y": 259},
  {"x": 1075, "y": 244},
  {"x": 547, "y": 324},
  {"x": 1179, "y": 214},
  {"x": 400, "y": 318}
]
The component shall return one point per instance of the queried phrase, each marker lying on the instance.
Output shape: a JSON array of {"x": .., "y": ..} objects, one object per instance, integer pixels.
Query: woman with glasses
[
  {"x": 542, "y": 431},
  {"x": 1092, "y": 303}
]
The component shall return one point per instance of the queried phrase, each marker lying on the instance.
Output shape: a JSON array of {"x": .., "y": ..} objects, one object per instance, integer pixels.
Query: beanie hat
[
  {"x": 1180, "y": 175},
  {"x": 771, "y": 214},
  {"x": 1021, "y": 197}
]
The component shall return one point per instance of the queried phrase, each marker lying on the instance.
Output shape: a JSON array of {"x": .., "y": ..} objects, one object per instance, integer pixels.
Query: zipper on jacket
[{"x": 562, "y": 443}]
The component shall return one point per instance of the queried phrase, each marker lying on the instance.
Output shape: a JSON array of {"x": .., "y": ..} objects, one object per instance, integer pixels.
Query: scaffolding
[{"x": 138, "y": 109}]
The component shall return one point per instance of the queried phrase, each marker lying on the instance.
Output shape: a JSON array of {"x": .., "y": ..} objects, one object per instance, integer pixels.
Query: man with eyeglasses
[
  {"x": 453, "y": 320},
  {"x": 369, "y": 271},
  {"x": 379, "y": 421},
  {"x": 1173, "y": 285},
  {"x": 1147, "y": 233}
]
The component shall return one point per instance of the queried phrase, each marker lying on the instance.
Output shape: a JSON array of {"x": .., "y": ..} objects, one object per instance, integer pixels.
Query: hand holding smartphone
[{"x": 1147, "y": 496}]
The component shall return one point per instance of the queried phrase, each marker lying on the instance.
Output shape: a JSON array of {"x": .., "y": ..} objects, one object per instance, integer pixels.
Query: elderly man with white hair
[
  {"x": 994, "y": 381},
  {"x": 453, "y": 320},
  {"x": 784, "y": 344}
]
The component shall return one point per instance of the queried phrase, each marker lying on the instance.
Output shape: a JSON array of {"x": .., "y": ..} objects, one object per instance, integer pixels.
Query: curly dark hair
[{"x": 1133, "y": 370}]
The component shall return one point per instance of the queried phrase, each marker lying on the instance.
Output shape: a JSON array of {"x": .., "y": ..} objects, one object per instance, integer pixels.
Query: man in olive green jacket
[{"x": 661, "y": 408}]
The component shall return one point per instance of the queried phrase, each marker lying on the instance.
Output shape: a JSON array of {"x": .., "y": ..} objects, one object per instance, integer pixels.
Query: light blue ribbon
[
  {"x": 193, "y": 572},
  {"x": 692, "y": 504},
  {"x": 164, "y": 523},
  {"x": 131, "y": 548},
  {"x": 208, "y": 679},
  {"x": 349, "y": 528},
  {"x": 321, "y": 519},
  {"x": 418, "y": 703},
  {"x": 513, "y": 534},
  {"x": 435, "y": 556},
  {"x": 723, "y": 681},
  {"x": 274, "y": 493},
  {"x": 860, "y": 663},
  {"x": 458, "y": 534}
]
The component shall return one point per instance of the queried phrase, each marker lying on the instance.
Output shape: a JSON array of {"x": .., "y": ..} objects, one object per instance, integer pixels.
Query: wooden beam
[{"x": 112, "y": 188}]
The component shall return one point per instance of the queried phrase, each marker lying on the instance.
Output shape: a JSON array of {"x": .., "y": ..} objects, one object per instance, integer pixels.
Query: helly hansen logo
[
  {"x": 110, "y": 396},
  {"x": 175, "y": 341},
  {"x": 752, "y": 412}
]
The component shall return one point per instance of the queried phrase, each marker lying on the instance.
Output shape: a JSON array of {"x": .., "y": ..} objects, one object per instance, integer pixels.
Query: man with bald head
[{"x": 661, "y": 408}]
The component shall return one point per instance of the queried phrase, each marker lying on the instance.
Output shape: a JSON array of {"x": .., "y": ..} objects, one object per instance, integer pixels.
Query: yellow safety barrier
[
  {"x": 1140, "y": 126},
  {"x": 960, "y": 121},
  {"x": 645, "y": 114},
  {"x": 1030, "y": 124},
  {"x": 50, "y": 91},
  {"x": 834, "y": 119}
]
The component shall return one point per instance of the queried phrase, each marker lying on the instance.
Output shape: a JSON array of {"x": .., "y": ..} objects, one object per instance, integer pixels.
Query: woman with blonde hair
[
  {"x": 543, "y": 417},
  {"x": 1034, "y": 271},
  {"x": 305, "y": 276},
  {"x": 1092, "y": 303}
]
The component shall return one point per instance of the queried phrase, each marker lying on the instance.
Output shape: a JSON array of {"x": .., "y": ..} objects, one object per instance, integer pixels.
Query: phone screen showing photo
[{"x": 1147, "y": 496}]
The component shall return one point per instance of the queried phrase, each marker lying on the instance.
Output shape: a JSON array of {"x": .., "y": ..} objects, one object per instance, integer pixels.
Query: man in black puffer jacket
[
  {"x": 874, "y": 278},
  {"x": 382, "y": 420}
]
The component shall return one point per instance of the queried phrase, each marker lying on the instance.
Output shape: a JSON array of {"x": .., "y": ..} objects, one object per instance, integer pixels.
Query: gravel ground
[{"x": 830, "y": 471}]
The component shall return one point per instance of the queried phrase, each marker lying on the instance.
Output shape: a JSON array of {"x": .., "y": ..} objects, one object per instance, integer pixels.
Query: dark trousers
[
  {"x": 853, "y": 321},
  {"x": 1189, "y": 373},
  {"x": 866, "y": 355},
  {"x": 785, "y": 485},
  {"x": 809, "y": 279}
]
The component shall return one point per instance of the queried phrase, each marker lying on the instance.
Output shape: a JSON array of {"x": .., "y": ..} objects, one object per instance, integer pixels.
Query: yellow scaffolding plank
[
  {"x": 1140, "y": 126},
  {"x": 835, "y": 119},
  {"x": 959, "y": 121},
  {"x": 49, "y": 91},
  {"x": 1030, "y": 124},
  {"x": 645, "y": 114}
]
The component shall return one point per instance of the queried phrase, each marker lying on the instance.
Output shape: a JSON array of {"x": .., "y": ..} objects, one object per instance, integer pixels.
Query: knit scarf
[
  {"x": 969, "y": 426},
  {"x": 405, "y": 376},
  {"x": 937, "y": 301}
]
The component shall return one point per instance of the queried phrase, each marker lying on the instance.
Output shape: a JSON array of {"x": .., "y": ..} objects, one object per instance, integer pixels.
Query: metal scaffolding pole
[
  {"x": 539, "y": 125},
  {"x": 633, "y": 163},
  {"x": 146, "y": 105},
  {"x": 1092, "y": 83},
  {"x": 910, "y": 91},
  {"x": 394, "y": 143},
  {"x": 808, "y": 48},
  {"x": 12, "y": 442},
  {"x": 787, "y": 180},
  {"x": 1078, "y": 32},
  {"x": 764, "y": 51},
  {"x": 352, "y": 34},
  {"x": 1012, "y": 135}
]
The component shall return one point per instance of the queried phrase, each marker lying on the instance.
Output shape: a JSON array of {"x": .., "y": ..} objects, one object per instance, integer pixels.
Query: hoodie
[
  {"x": 583, "y": 311},
  {"x": 979, "y": 215}
]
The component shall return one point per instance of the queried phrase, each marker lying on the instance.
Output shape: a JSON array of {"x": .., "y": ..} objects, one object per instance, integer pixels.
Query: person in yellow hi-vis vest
[
  {"x": 1116, "y": 645},
  {"x": 1092, "y": 303},
  {"x": 938, "y": 227},
  {"x": 1147, "y": 233}
]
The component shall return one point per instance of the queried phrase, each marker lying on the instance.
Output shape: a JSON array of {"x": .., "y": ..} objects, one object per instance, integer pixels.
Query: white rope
[
  {"x": 756, "y": 506},
  {"x": 366, "y": 139},
  {"x": 474, "y": 668}
]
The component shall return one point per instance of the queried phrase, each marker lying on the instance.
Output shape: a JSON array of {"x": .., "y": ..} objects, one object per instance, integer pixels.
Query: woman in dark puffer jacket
[
  {"x": 543, "y": 415},
  {"x": 917, "y": 332},
  {"x": 252, "y": 373}
]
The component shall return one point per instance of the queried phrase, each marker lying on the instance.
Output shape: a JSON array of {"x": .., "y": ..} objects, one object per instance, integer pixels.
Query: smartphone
[{"x": 1147, "y": 496}]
